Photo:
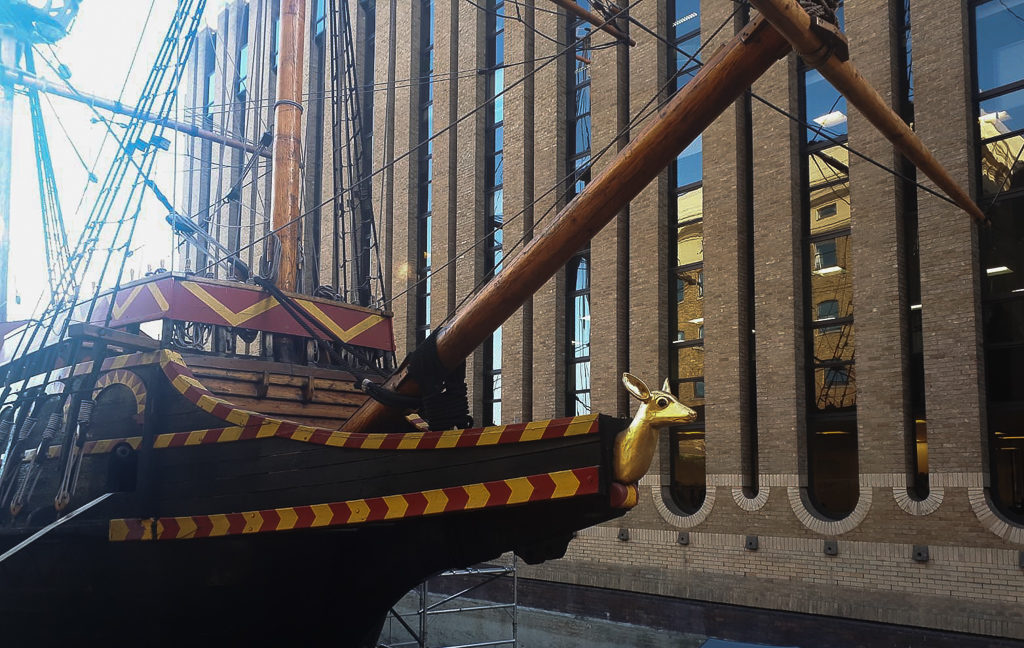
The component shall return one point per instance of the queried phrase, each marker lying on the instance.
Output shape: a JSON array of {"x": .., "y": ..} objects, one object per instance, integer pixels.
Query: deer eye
[{"x": 662, "y": 402}]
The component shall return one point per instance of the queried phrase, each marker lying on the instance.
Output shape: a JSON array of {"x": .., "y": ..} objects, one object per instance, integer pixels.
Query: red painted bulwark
[{"x": 240, "y": 306}]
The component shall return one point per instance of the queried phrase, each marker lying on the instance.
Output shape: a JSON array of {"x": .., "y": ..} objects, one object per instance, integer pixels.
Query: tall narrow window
[
  {"x": 999, "y": 97},
  {"x": 243, "y": 58},
  {"x": 320, "y": 18},
  {"x": 210, "y": 81},
  {"x": 578, "y": 270},
  {"x": 578, "y": 317},
  {"x": 494, "y": 217},
  {"x": 687, "y": 274},
  {"x": 317, "y": 117},
  {"x": 425, "y": 196},
  {"x": 241, "y": 66},
  {"x": 275, "y": 41},
  {"x": 917, "y": 438},
  {"x": 828, "y": 288}
]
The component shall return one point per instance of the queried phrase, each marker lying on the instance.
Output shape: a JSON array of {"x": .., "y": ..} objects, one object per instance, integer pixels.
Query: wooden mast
[
  {"x": 287, "y": 152},
  {"x": 718, "y": 84},
  {"x": 595, "y": 20},
  {"x": 793, "y": 22}
]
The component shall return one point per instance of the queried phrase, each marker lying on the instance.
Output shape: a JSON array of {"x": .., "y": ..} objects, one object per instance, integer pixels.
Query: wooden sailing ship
[{"x": 153, "y": 493}]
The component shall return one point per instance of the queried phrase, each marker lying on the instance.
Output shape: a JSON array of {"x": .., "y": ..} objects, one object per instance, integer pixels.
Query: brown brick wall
[{"x": 517, "y": 332}]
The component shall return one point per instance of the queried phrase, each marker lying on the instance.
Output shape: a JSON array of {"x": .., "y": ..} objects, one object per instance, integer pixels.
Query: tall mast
[
  {"x": 7, "y": 46},
  {"x": 288, "y": 142}
]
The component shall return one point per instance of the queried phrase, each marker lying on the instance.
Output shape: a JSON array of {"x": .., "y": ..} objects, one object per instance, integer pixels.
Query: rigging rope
[{"x": 455, "y": 123}]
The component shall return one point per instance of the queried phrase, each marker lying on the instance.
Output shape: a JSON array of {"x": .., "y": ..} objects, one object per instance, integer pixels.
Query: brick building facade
[{"x": 876, "y": 476}]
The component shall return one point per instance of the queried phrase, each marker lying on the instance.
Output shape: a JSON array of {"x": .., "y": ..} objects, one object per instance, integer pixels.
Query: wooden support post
[
  {"x": 285, "y": 181},
  {"x": 595, "y": 20},
  {"x": 724, "y": 77},
  {"x": 793, "y": 22}
]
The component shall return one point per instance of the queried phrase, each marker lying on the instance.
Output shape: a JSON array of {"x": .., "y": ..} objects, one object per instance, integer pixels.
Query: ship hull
[
  {"x": 307, "y": 587},
  {"x": 228, "y": 524}
]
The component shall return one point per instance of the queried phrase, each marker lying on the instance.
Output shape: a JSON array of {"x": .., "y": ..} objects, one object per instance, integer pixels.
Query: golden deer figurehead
[{"x": 635, "y": 446}]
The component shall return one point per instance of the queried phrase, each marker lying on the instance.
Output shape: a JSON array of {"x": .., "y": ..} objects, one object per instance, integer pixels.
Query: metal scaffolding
[{"x": 412, "y": 628}]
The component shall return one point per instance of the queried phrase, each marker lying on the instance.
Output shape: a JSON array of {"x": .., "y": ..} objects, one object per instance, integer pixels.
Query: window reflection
[
  {"x": 688, "y": 488},
  {"x": 999, "y": 60},
  {"x": 832, "y": 393},
  {"x": 579, "y": 335},
  {"x": 494, "y": 216},
  {"x": 426, "y": 170},
  {"x": 578, "y": 140},
  {"x": 1000, "y": 56}
]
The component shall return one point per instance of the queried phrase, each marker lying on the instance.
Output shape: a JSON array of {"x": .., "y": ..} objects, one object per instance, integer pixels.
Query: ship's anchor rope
[{"x": 824, "y": 9}]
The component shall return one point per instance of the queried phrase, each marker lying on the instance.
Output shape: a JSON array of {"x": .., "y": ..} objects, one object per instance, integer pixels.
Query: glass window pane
[
  {"x": 581, "y": 326},
  {"x": 498, "y": 206},
  {"x": 689, "y": 470},
  {"x": 690, "y": 362},
  {"x": 1001, "y": 115},
  {"x": 835, "y": 387},
  {"x": 689, "y": 164},
  {"x": 690, "y": 242},
  {"x": 582, "y": 403},
  {"x": 825, "y": 108},
  {"x": 690, "y": 310},
  {"x": 1003, "y": 251},
  {"x": 496, "y": 348},
  {"x": 1004, "y": 322},
  {"x": 499, "y": 81},
  {"x": 1004, "y": 379},
  {"x": 689, "y": 208},
  {"x": 828, "y": 176},
  {"x": 499, "y": 137},
  {"x": 685, "y": 17},
  {"x": 1000, "y": 43},
  {"x": 1002, "y": 165}
]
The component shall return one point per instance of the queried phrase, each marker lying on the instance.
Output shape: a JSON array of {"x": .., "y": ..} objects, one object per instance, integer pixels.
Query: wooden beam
[
  {"x": 793, "y": 22},
  {"x": 594, "y": 19},
  {"x": 113, "y": 337},
  {"x": 287, "y": 154},
  {"x": 721, "y": 81}
]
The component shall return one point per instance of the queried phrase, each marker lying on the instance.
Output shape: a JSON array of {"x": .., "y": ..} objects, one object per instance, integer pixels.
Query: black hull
[
  {"x": 313, "y": 587},
  {"x": 145, "y": 566}
]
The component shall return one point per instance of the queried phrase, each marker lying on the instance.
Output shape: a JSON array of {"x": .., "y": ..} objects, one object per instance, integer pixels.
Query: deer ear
[
  {"x": 636, "y": 387},
  {"x": 666, "y": 387}
]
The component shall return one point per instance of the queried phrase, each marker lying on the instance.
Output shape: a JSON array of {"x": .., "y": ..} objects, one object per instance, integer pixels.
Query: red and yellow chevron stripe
[
  {"x": 260, "y": 427},
  {"x": 253, "y": 425},
  {"x": 227, "y": 304},
  {"x": 128, "y": 379},
  {"x": 110, "y": 364},
  {"x": 519, "y": 490}
]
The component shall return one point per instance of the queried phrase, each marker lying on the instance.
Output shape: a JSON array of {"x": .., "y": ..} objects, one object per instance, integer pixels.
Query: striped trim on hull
[{"x": 519, "y": 490}]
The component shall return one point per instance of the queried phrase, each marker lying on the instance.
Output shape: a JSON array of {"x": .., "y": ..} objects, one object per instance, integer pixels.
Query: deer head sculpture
[{"x": 635, "y": 446}]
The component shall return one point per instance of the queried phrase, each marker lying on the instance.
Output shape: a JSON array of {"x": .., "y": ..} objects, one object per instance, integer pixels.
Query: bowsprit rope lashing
[{"x": 824, "y": 9}]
